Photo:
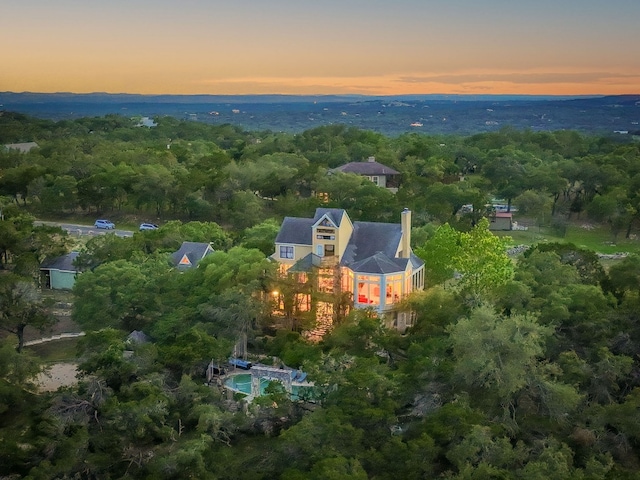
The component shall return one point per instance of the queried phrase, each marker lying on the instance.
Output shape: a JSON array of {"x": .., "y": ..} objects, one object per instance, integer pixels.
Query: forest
[{"x": 521, "y": 362}]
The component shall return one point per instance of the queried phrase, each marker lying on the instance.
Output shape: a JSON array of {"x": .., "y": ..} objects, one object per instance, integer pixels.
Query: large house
[
  {"x": 379, "y": 174},
  {"x": 361, "y": 264}
]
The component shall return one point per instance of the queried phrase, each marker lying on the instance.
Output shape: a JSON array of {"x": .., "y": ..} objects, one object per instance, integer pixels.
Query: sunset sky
[{"x": 374, "y": 47}]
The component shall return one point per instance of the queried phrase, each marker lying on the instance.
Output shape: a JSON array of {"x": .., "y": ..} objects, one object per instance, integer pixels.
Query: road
[{"x": 85, "y": 229}]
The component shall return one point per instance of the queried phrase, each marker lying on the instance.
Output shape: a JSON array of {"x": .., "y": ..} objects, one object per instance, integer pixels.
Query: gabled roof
[
  {"x": 190, "y": 253},
  {"x": 366, "y": 168},
  {"x": 372, "y": 247},
  {"x": 296, "y": 231},
  {"x": 333, "y": 214},
  {"x": 63, "y": 263},
  {"x": 299, "y": 231}
]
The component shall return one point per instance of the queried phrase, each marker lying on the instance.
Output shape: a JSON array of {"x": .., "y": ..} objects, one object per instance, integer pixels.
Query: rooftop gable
[
  {"x": 190, "y": 253},
  {"x": 334, "y": 215}
]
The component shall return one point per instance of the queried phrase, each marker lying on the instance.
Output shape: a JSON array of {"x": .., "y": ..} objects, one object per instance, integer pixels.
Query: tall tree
[{"x": 21, "y": 305}]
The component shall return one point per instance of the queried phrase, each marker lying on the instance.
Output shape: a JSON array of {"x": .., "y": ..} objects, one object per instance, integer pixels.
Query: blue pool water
[{"x": 242, "y": 383}]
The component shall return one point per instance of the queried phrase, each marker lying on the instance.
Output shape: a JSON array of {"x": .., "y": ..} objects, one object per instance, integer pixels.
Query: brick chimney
[{"x": 405, "y": 222}]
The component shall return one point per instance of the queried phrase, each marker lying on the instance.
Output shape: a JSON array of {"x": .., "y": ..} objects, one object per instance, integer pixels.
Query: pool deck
[{"x": 249, "y": 396}]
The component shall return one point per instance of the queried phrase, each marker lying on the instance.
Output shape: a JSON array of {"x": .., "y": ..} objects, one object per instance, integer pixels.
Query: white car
[
  {"x": 148, "y": 226},
  {"x": 106, "y": 224}
]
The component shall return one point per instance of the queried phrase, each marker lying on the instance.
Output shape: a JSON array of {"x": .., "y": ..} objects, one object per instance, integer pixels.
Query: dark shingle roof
[
  {"x": 379, "y": 263},
  {"x": 366, "y": 168},
  {"x": 195, "y": 251},
  {"x": 63, "y": 263},
  {"x": 371, "y": 249},
  {"x": 416, "y": 261},
  {"x": 138, "y": 336},
  {"x": 296, "y": 231},
  {"x": 306, "y": 263},
  {"x": 368, "y": 238},
  {"x": 334, "y": 214}
]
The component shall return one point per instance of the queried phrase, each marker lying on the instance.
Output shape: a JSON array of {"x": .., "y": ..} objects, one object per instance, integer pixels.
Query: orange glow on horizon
[
  {"x": 479, "y": 84},
  {"x": 321, "y": 48}
]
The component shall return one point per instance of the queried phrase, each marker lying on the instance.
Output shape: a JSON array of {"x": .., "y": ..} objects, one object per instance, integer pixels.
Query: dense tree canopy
[{"x": 514, "y": 367}]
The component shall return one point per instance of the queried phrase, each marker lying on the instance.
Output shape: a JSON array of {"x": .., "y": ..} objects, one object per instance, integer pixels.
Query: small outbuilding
[
  {"x": 59, "y": 273},
  {"x": 501, "y": 221}
]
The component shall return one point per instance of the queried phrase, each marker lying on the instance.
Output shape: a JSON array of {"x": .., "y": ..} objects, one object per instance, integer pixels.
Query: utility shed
[
  {"x": 501, "y": 221},
  {"x": 59, "y": 273}
]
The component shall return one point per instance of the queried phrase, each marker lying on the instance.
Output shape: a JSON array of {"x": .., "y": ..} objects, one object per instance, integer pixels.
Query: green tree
[
  {"x": 482, "y": 260},
  {"x": 120, "y": 294},
  {"x": 22, "y": 306},
  {"x": 261, "y": 236},
  {"x": 439, "y": 253}
]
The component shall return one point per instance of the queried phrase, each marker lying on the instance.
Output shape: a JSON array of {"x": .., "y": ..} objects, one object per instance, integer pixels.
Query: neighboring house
[
  {"x": 379, "y": 174},
  {"x": 59, "y": 273},
  {"x": 190, "y": 254},
  {"x": 501, "y": 221},
  {"x": 352, "y": 264},
  {"x": 21, "y": 147},
  {"x": 137, "y": 337}
]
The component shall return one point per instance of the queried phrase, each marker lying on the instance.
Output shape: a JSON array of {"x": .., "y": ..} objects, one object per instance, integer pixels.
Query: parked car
[
  {"x": 148, "y": 226},
  {"x": 106, "y": 224}
]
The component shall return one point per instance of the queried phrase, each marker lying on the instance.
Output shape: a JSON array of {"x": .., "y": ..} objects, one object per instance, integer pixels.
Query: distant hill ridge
[
  {"x": 98, "y": 97},
  {"x": 390, "y": 115}
]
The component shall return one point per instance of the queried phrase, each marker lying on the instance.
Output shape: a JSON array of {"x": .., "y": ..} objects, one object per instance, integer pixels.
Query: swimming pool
[{"x": 242, "y": 383}]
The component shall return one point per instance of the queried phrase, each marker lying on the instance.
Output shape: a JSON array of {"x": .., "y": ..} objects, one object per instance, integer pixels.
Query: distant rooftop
[{"x": 370, "y": 167}]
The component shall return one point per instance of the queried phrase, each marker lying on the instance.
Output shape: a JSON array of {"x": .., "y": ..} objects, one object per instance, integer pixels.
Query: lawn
[{"x": 592, "y": 237}]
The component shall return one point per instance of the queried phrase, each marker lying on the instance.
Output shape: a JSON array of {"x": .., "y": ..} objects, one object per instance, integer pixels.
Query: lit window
[
  {"x": 394, "y": 289},
  {"x": 369, "y": 289},
  {"x": 286, "y": 251}
]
